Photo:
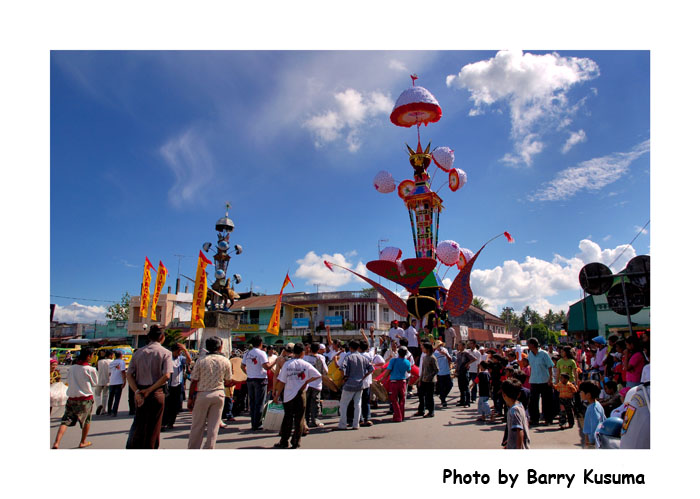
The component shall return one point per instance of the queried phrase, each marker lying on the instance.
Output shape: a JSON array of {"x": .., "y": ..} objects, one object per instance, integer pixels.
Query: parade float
[{"x": 428, "y": 299}]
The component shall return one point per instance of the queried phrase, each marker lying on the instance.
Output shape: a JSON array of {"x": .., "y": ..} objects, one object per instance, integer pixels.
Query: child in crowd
[
  {"x": 594, "y": 413},
  {"x": 516, "y": 419},
  {"x": 524, "y": 392},
  {"x": 613, "y": 399},
  {"x": 525, "y": 369},
  {"x": 483, "y": 381},
  {"x": 566, "y": 391}
]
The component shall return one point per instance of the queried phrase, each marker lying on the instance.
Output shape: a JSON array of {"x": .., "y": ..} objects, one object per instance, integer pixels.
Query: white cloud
[
  {"x": 397, "y": 65},
  {"x": 77, "y": 312},
  {"x": 591, "y": 175},
  {"x": 533, "y": 86},
  {"x": 314, "y": 271},
  {"x": 538, "y": 283},
  {"x": 352, "y": 110},
  {"x": 637, "y": 228},
  {"x": 573, "y": 139},
  {"x": 189, "y": 160},
  {"x": 607, "y": 238}
]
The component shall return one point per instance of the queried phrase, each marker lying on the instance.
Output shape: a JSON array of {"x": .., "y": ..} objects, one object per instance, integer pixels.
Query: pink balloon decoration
[
  {"x": 390, "y": 253},
  {"x": 444, "y": 157},
  {"x": 448, "y": 252},
  {"x": 384, "y": 182},
  {"x": 464, "y": 256}
]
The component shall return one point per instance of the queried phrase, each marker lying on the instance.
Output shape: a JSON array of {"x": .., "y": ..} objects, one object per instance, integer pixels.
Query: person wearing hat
[
  {"x": 395, "y": 332},
  {"x": 55, "y": 373},
  {"x": 209, "y": 377},
  {"x": 598, "y": 360}
]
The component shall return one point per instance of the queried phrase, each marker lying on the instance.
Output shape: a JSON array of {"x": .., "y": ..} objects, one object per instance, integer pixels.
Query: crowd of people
[{"x": 521, "y": 387}]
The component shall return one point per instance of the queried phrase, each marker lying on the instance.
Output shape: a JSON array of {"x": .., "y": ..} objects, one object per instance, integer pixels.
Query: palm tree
[{"x": 479, "y": 303}]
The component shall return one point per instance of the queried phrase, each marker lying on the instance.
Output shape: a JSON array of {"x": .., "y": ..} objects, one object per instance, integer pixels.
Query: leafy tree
[
  {"x": 479, "y": 303},
  {"x": 119, "y": 311},
  {"x": 526, "y": 315},
  {"x": 550, "y": 319}
]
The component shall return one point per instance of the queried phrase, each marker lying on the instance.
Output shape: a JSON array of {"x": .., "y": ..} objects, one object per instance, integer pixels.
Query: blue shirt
[
  {"x": 443, "y": 363},
  {"x": 178, "y": 376},
  {"x": 594, "y": 415},
  {"x": 398, "y": 368},
  {"x": 355, "y": 366},
  {"x": 539, "y": 367}
]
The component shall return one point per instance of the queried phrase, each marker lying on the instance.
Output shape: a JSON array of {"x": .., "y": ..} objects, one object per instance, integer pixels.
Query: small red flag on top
[{"x": 509, "y": 237}]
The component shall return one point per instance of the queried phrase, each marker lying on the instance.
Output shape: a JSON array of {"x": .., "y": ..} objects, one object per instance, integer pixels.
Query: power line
[
  {"x": 84, "y": 299},
  {"x": 630, "y": 243}
]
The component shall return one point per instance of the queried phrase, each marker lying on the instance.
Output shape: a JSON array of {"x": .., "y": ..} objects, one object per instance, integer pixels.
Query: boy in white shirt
[{"x": 82, "y": 379}]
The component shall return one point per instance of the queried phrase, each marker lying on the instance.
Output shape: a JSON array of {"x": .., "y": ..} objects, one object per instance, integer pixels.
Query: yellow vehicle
[
  {"x": 61, "y": 353},
  {"x": 126, "y": 351}
]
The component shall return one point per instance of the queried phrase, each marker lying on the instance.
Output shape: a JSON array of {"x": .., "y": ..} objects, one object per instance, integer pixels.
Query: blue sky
[{"x": 146, "y": 148}]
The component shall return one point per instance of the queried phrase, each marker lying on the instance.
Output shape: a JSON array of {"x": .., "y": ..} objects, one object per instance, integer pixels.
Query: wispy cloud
[
  {"x": 535, "y": 89},
  {"x": 638, "y": 228},
  {"x": 127, "y": 264},
  {"x": 352, "y": 110},
  {"x": 573, "y": 139},
  {"x": 607, "y": 238},
  {"x": 191, "y": 164},
  {"x": 590, "y": 175},
  {"x": 397, "y": 66}
]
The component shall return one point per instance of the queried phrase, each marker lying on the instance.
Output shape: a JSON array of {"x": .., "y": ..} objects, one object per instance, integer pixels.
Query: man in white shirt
[
  {"x": 314, "y": 390},
  {"x": 473, "y": 368},
  {"x": 82, "y": 379},
  {"x": 117, "y": 381},
  {"x": 395, "y": 332},
  {"x": 102, "y": 388},
  {"x": 255, "y": 364},
  {"x": 412, "y": 336},
  {"x": 294, "y": 377}
]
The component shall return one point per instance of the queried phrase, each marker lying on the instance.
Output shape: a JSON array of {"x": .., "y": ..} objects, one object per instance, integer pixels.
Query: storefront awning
[{"x": 576, "y": 316}]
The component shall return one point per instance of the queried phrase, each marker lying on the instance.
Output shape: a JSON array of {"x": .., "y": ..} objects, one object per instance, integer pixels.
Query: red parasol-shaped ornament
[{"x": 415, "y": 106}]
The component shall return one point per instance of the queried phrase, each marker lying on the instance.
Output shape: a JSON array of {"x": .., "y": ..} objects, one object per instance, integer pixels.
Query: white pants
[
  {"x": 345, "y": 398},
  {"x": 101, "y": 396},
  {"x": 206, "y": 411}
]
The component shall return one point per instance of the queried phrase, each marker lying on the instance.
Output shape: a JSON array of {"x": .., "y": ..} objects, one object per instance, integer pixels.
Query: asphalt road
[{"x": 451, "y": 428}]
